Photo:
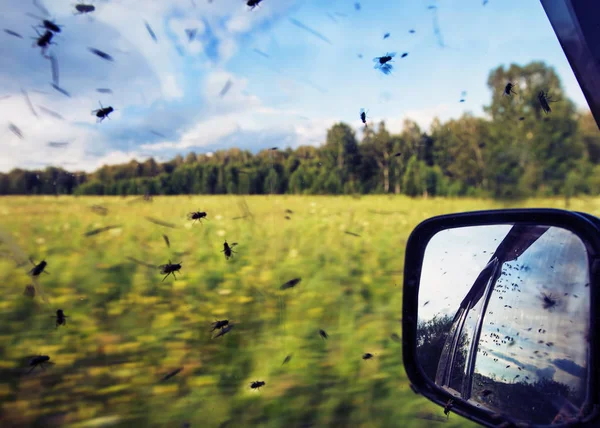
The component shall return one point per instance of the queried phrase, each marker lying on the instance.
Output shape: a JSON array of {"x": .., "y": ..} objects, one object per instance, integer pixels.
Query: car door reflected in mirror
[{"x": 503, "y": 319}]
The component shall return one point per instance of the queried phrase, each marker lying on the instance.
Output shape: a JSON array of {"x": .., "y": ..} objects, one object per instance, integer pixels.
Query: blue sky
[{"x": 286, "y": 95}]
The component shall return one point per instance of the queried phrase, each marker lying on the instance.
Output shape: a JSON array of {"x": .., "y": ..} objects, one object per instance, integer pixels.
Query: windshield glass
[{"x": 216, "y": 196}]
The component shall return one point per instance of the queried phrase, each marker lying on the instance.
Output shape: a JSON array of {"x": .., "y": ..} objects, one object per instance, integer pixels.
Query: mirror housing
[{"x": 583, "y": 226}]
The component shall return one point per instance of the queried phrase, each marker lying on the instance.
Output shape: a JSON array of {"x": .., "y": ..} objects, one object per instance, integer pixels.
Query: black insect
[
  {"x": 191, "y": 33},
  {"x": 287, "y": 359},
  {"x": 13, "y": 33},
  {"x": 38, "y": 269},
  {"x": 363, "y": 116},
  {"x": 290, "y": 284},
  {"x": 150, "y": 32},
  {"x": 61, "y": 318},
  {"x": 43, "y": 40},
  {"x": 397, "y": 154},
  {"x": 463, "y": 95},
  {"x": 166, "y": 238},
  {"x": 545, "y": 101},
  {"x": 104, "y": 90},
  {"x": 412, "y": 31},
  {"x": 404, "y": 55},
  {"x": 257, "y": 384},
  {"x": 323, "y": 334},
  {"x": 171, "y": 374},
  {"x": 224, "y": 330},
  {"x": 101, "y": 54},
  {"x": 386, "y": 35},
  {"x": 39, "y": 360},
  {"x": 219, "y": 324},
  {"x": 383, "y": 62},
  {"x": 253, "y": 3},
  {"x": 148, "y": 198},
  {"x": 170, "y": 269},
  {"x": 509, "y": 90},
  {"x": 548, "y": 301},
  {"x": 102, "y": 113},
  {"x": 228, "y": 249},
  {"x": 197, "y": 215},
  {"x": 15, "y": 130},
  {"x": 29, "y": 291},
  {"x": 50, "y": 26},
  {"x": 82, "y": 8},
  {"x": 448, "y": 407},
  {"x": 367, "y": 356},
  {"x": 101, "y": 229}
]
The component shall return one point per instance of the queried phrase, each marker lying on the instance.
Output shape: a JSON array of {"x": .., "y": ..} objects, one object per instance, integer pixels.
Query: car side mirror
[{"x": 499, "y": 314}]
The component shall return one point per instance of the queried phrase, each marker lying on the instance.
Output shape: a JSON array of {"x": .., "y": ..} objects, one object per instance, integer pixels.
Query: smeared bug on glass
[
  {"x": 352, "y": 234},
  {"x": 436, "y": 27},
  {"x": 98, "y": 209},
  {"x": 171, "y": 374},
  {"x": 367, "y": 356},
  {"x": 219, "y": 324},
  {"x": 226, "y": 88},
  {"x": 191, "y": 33},
  {"x": 545, "y": 99},
  {"x": 509, "y": 90},
  {"x": 463, "y": 95},
  {"x": 228, "y": 249},
  {"x": 29, "y": 291},
  {"x": 43, "y": 40},
  {"x": 448, "y": 407},
  {"x": 49, "y": 112},
  {"x": 140, "y": 262},
  {"x": 12, "y": 33},
  {"x": 395, "y": 337},
  {"x": 102, "y": 113},
  {"x": 170, "y": 269},
  {"x": 158, "y": 134},
  {"x": 287, "y": 359},
  {"x": 257, "y": 384},
  {"x": 82, "y": 8},
  {"x": 159, "y": 222},
  {"x": 323, "y": 334},
  {"x": 253, "y": 3},
  {"x": 100, "y": 230},
  {"x": 357, "y": 6},
  {"x": 39, "y": 360},
  {"x": 386, "y": 35},
  {"x": 61, "y": 318},
  {"x": 309, "y": 30},
  {"x": 38, "y": 268},
  {"x": 166, "y": 238},
  {"x": 290, "y": 284},
  {"x": 15, "y": 130},
  {"x": 197, "y": 215},
  {"x": 224, "y": 331},
  {"x": 382, "y": 63},
  {"x": 101, "y": 54},
  {"x": 548, "y": 301},
  {"x": 104, "y": 90},
  {"x": 150, "y": 32}
]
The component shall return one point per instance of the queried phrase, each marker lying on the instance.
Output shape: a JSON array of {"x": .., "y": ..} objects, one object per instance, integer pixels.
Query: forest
[{"x": 515, "y": 151}]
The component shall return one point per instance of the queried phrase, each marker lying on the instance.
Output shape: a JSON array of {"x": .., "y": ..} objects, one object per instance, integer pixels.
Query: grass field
[{"x": 126, "y": 328}]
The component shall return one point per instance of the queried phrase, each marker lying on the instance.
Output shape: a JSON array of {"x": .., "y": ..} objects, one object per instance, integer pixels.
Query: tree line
[{"x": 515, "y": 151}]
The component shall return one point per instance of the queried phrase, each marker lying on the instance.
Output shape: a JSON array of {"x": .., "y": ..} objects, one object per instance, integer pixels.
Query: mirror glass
[{"x": 503, "y": 319}]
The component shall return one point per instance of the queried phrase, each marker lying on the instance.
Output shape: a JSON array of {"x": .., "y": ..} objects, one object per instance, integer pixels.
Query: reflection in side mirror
[{"x": 503, "y": 319}]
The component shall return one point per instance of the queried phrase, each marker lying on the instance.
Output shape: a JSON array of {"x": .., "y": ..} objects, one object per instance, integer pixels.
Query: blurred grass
[{"x": 126, "y": 329}]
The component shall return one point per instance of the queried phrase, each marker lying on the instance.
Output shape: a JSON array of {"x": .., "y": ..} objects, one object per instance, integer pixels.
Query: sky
[
  {"x": 292, "y": 69},
  {"x": 556, "y": 264}
]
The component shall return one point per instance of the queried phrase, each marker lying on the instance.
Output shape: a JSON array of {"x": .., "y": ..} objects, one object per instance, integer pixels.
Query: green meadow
[{"x": 127, "y": 328}]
